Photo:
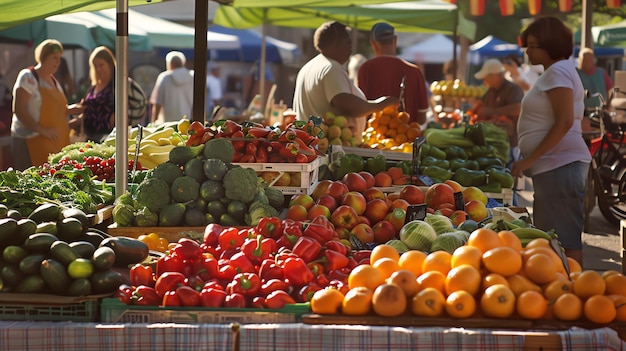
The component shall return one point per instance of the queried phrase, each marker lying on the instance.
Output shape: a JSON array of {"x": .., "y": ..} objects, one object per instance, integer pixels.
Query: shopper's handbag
[{"x": 78, "y": 135}]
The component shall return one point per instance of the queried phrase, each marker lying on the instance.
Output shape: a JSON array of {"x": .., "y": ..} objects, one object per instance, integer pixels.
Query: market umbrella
[{"x": 611, "y": 35}]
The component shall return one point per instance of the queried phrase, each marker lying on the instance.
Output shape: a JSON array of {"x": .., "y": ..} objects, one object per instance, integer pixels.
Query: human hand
[
  {"x": 519, "y": 167},
  {"x": 50, "y": 133}
]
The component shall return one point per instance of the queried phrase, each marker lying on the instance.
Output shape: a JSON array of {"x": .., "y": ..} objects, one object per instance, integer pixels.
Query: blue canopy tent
[{"x": 491, "y": 46}]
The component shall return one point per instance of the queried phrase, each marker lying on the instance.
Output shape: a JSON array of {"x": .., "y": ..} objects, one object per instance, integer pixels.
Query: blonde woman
[{"x": 40, "y": 111}]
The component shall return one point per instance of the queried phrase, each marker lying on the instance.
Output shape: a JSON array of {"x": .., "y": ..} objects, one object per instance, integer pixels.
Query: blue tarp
[{"x": 491, "y": 46}]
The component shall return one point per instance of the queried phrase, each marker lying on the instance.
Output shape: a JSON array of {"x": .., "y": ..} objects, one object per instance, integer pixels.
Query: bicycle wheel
[{"x": 611, "y": 194}]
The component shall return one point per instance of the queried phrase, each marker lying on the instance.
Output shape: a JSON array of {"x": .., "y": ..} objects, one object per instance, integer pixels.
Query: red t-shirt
[{"x": 381, "y": 76}]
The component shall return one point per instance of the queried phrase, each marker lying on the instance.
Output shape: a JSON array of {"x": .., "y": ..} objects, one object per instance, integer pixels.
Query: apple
[
  {"x": 317, "y": 210},
  {"x": 344, "y": 216},
  {"x": 328, "y": 201},
  {"x": 320, "y": 188},
  {"x": 438, "y": 194},
  {"x": 355, "y": 200},
  {"x": 476, "y": 210},
  {"x": 396, "y": 217},
  {"x": 474, "y": 193},
  {"x": 446, "y": 211},
  {"x": 384, "y": 231},
  {"x": 302, "y": 199},
  {"x": 400, "y": 203},
  {"x": 458, "y": 217},
  {"x": 364, "y": 232},
  {"x": 276, "y": 179},
  {"x": 297, "y": 213},
  {"x": 454, "y": 185},
  {"x": 342, "y": 233},
  {"x": 363, "y": 219},
  {"x": 369, "y": 178},
  {"x": 337, "y": 189},
  {"x": 373, "y": 193},
  {"x": 412, "y": 194},
  {"x": 376, "y": 210},
  {"x": 354, "y": 182}
]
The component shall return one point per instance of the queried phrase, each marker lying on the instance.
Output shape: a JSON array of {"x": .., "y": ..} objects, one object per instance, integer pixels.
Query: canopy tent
[
  {"x": 273, "y": 3},
  {"x": 436, "y": 49},
  {"x": 610, "y": 35},
  {"x": 491, "y": 46}
]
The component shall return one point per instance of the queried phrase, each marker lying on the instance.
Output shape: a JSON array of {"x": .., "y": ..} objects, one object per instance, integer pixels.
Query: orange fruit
[
  {"x": 391, "y": 110},
  {"x": 394, "y": 123},
  {"x": 327, "y": 301},
  {"x": 391, "y": 132},
  {"x": 546, "y": 251},
  {"x": 557, "y": 288},
  {"x": 574, "y": 266},
  {"x": 384, "y": 251},
  {"x": 619, "y": 301},
  {"x": 406, "y": 280},
  {"x": 531, "y": 305},
  {"x": 574, "y": 275},
  {"x": 466, "y": 255},
  {"x": 357, "y": 302},
  {"x": 615, "y": 284},
  {"x": 428, "y": 303},
  {"x": 400, "y": 138},
  {"x": 404, "y": 116},
  {"x": 365, "y": 275},
  {"x": 395, "y": 172},
  {"x": 389, "y": 300},
  {"x": 498, "y": 301},
  {"x": 432, "y": 279},
  {"x": 599, "y": 309},
  {"x": 493, "y": 279},
  {"x": 540, "y": 268},
  {"x": 484, "y": 239},
  {"x": 568, "y": 307},
  {"x": 386, "y": 266},
  {"x": 460, "y": 304},
  {"x": 463, "y": 277},
  {"x": 384, "y": 119},
  {"x": 608, "y": 273},
  {"x": 589, "y": 283},
  {"x": 519, "y": 283},
  {"x": 437, "y": 261},
  {"x": 510, "y": 239},
  {"x": 503, "y": 260},
  {"x": 412, "y": 261},
  {"x": 413, "y": 133},
  {"x": 403, "y": 127},
  {"x": 538, "y": 242}
]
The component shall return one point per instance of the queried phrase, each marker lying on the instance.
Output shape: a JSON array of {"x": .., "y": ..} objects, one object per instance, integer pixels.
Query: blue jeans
[{"x": 559, "y": 202}]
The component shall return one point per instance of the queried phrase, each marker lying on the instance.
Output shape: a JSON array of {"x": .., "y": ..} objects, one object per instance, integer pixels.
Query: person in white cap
[
  {"x": 501, "y": 104},
  {"x": 172, "y": 96}
]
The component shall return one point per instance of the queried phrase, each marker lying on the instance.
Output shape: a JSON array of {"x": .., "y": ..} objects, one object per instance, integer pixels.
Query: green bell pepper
[
  {"x": 438, "y": 173},
  {"x": 503, "y": 177},
  {"x": 468, "y": 177},
  {"x": 350, "y": 163},
  {"x": 375, "y": 165},
  {"x": 481, "y": 151},
  {"x": 455, "y": 152}
]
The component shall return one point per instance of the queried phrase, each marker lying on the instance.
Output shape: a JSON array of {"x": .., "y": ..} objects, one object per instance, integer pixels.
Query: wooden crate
[{"x": 172, "y": 234}]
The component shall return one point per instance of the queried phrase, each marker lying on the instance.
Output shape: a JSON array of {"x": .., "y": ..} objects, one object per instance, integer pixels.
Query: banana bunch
[
  {"x": 155, "y": 147},
  {"x": 529, "y": 234}
]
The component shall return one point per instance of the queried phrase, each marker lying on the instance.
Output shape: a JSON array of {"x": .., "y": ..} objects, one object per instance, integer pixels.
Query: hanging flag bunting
[
  {"x": 534, "y": 6},
  {"x": 565, "y": 5},
  {"x": 477, "y": 7},
  {"x": 451, "y": 1},
  {"x": 506, "y": 7},
  {"x": 613, "y": 4}
]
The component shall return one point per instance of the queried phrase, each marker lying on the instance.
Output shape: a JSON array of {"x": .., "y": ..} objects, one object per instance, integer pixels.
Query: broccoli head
[
  {"x": 146, "y": 218},
  {"x": 153, "y": 193},
  {"x": 241, "y": 184},
  {"x": 220, "y": 148},
  {"x": 258, "y": 210}
]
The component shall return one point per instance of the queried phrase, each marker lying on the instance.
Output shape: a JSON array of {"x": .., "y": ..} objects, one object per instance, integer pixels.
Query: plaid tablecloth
[{"x": 68, "y": 336}]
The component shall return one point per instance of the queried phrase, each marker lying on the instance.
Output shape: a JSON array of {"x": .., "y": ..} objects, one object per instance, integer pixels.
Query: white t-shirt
[
  {"x": 317, "y": 83},
  {"x": 173, "y": 90},
  {"x": 213, "y": 88},
  {"x": 537, "y": 117},
  {"x": 27, "y": 81}
]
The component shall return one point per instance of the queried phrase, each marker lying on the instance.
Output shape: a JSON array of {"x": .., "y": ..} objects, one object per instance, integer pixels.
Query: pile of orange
[
  {"x": 391, "y": 129},
  {"x": 491, "y": 276}
]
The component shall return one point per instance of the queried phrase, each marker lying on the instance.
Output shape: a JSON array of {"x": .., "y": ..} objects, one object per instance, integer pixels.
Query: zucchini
[
  {"x": 31, "y": 285},
  {"x": 79, "y": 287},
  {"x": 8, "y": 228},
  {"x": 84, "y": 249},
  {"x": 70, "y": 229},
  {"x": 11, "y": 275},
  {"x": 63, "y": 252},
  {"x": 103, "y": 258},
  {"x": 105, "y": 281},
  {"x": 25, "y": 227},
  {"x": 31, "y": 264},
  {"x": 127, "y": 250},
  {"x": 47, "y": 212},
  {"x": 39, "y": 242},
  {"x": 55, "y": 275},
  {"x": 47, "y": 227},
  {"x": 181, "y": 154},
  {"x": 13, "y": 254}
]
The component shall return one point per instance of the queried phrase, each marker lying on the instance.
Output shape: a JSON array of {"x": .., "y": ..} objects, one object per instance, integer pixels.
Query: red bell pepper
[
  {"x": 301, "y": 158},
  {"x": 270, "y": 270},
  {"x": 360, "y": 255},
  {"x": 270, "y": 227},
  {"x": 145, "y": 296},
  {"x": 188, "y": 296},
  {"x": 187, "y": 249},
  {"x": 307, "y": 248},
  {"x": 211, "y": 233},
  {"x": 195, "y": 132},
  {"x": 262, "y": 155},
  {"x": 303, "y": 135},
  {"x": 292, "y": 230},
  {"x": 168, "y": 281},
  {"x": 340, "y": 274},
  {"x": 247, "y": 284},
  {"x": 258, "y": 249},
  {"x": 213, "y": 283},
  {"x": 335, "y": 259},
  {"x": 352, "y": 263},
  {"x": 226, "y": 272},
  {"x": 124, "y": 293},
  {"x": 273, "y": 285},
  {"x": 194, "y": 282},
  {"x": 316, "y": 267},
  {"x": 320, "y": 229},
  {"x": 258, "y": 302},
  {"x": 141, "y": 275},
  {"x": 169, "y": 263},
  {"x": 237, "y": 139},
  {"x": 211, "y": 297},
  {"x": 339, "y": 285},
  {"x": 228, "y": 127},
  {"x": 338, "y": 246},
  {"x": 207, "y": 135},
  {"x": 274, "y": 134},
  {"x": 278, "y": 299},
  {"x": 231, "y": 238},
  {"x": 282, "y": 255},
  {"x": 242, "y": 263},
  {"x": 296, "y": 271},
  {"x": 251, "y": 147},
  {"x": 171, "y": 299},
  {"x": 235, "y": 300},
  {"x": 322, "y": 280},
  {"x": 287, "y": 135},
  {"x": 256, "y": 132},
  {"x": 306, "y": 292},
  {"x": 211, "y": 265},
  {"x": 303, "y": 147}
]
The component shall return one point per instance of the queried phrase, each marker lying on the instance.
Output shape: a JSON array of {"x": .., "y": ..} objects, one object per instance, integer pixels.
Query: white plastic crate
[
  {"x": 309, "y": 173},
  {"x": 337, "y": 151}
]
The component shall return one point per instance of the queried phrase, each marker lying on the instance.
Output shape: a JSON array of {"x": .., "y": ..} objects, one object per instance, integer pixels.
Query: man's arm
[{"x": 156, "y": 109}]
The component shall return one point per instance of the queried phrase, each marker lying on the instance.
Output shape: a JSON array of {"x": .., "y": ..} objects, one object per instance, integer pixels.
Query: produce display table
[{"x": 68, "y": 336}]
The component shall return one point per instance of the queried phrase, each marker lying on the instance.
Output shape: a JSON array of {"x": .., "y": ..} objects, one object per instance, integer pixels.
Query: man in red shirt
[{"x": 382, "y": 75}]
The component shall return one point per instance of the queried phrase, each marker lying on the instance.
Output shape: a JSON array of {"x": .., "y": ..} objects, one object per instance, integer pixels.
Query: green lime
[{"x": 80, "y": 268}]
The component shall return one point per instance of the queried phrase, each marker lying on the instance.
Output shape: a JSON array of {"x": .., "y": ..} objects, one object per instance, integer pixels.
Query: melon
[
  {"x": 440, "y": 223},
  {"x": 418, "y": 235},
  {"x": 447, "y": 242}
]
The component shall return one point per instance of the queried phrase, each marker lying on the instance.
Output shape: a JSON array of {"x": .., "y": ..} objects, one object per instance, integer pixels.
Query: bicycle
[{"x": 607, "y": 172}]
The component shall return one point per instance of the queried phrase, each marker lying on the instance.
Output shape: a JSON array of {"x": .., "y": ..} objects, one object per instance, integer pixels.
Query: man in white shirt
[
  {"x": 172, "y": 96},
  {"x": 213, "y": 89}
]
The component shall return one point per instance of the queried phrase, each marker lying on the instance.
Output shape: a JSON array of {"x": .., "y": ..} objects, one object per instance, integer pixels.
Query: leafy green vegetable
[
  {"x": 241, "y": 184},
  {"x": 80, "y": 150}
]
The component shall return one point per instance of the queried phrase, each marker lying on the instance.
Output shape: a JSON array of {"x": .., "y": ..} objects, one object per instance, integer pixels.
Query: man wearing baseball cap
[
  {"x": 383, "y": 74},
  {"x": 502, "y": 102}
]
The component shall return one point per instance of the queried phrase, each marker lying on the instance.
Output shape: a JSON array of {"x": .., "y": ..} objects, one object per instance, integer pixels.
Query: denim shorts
[{"x": 559, "y": 202}]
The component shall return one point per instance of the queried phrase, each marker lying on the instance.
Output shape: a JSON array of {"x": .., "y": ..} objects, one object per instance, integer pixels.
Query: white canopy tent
[{"x": 437, "y": 48}]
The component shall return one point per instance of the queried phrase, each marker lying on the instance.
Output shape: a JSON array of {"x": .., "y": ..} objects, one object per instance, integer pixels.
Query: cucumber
[
  {"x": 47, "y": 212},
  {"x": 8, "y": 228},
  {"x": 15, "y": 214},
  {"x": 31, "y": 285},
  {"x": 55, "y": 275},
  {"x": 3, "y": 210},
  {"x": 25, "y": 227},
  {"x": 84, "y": 249},
  {"x": 93, "y": 237},
  {"x": 39, "y": 242},
  {"x": 103, "y": 258},
  {"x": 14, "y": 254},
  {"x": 105, "y": 281},
  {"x": 31, "y": 264},
  {"x": 47, "y": 227},
  {"x": 127, "y": 250},
  {"x": 79, "y": 287},
  {"x": 70, "y": 229},
  {"x": 63, "y": 252},
  {"x": 11, "y": 275},
  {"x": 77, "y": 214}
]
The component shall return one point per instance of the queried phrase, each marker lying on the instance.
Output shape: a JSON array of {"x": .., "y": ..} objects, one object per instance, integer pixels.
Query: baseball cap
[
  {"x": 382, "y": 31},
  {"x": 175, "y": 54},
  {"x": 490, "y": 66}
]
